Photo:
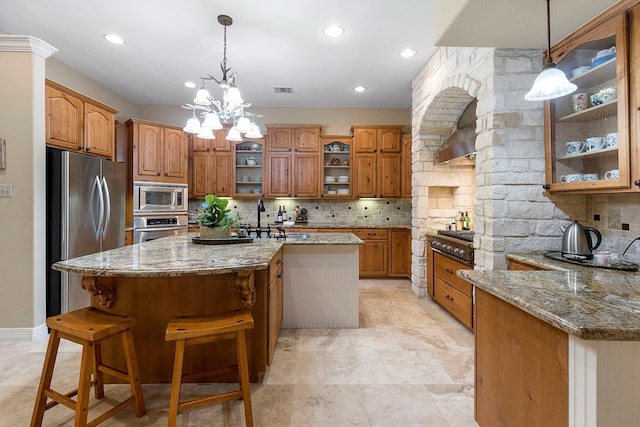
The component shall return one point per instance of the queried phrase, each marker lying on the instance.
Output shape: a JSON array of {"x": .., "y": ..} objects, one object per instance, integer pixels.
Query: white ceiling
[{"x": 279, "y": 43}]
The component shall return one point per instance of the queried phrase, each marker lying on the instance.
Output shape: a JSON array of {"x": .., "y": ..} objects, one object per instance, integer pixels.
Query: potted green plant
[{"x": 215, "y": 219}]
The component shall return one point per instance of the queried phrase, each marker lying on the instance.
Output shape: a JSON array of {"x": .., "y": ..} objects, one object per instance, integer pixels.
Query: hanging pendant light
[
  {"x": 551, "y": 83},
  {"x": 229, "y": 108}
]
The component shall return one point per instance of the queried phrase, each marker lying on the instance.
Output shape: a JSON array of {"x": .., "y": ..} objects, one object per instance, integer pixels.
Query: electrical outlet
[{"x": 6, "y": 190}]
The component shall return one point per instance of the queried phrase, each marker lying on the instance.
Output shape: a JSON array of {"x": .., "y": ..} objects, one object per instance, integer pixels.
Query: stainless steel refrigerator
[{"x": 85, "y": 215}]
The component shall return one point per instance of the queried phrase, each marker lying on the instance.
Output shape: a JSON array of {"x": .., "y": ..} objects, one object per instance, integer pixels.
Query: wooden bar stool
[
  {"x": 195, "y": 330},
  {"x": 88, "y": 327}
]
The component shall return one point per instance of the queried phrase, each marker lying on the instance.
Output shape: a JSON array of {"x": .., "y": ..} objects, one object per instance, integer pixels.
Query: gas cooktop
[{"x": 466, "y": 235}]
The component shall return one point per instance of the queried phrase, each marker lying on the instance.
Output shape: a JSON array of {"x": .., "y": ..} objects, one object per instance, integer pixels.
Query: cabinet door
[
  {"x": 400, "y": 253},
  {"x": 64, "y": 120},
  {"x": 373, "y": 258},
  {"x": 389, "y": 177},
  {"x": 279, "y": 139},
  {"x": 175, "y": 154},
  {"x": 587, "y": 140},
  {"x": 279, "y": 175},
  {"x": 275, "y": 301},
  {"x": 221, "y": 174},
  {"x": 306, "y": 175},
  {"x": 406, "y": 166},
  {"x": 99, "y": 131},
  {"x": 365, "y": 174},
  {"x": 200, "y": 174},
  {"x": 149, "y": 151},
  {"x": 220, "y": 143},
  {"x": 389, "y": 140},
  {"x": 364, "y": 140},
  {"x": 200, "y": 144},
  {"x": 307, "y": 139}
]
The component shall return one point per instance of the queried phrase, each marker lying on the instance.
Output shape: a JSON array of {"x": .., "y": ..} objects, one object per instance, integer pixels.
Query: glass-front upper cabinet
[
  {"x": 336, "y": 155},
  {"x": 586, "y": 132},
  {"x": 248, "y": 171}
]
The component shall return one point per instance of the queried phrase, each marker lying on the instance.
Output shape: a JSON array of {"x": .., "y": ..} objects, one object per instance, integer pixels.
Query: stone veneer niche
[{"x": 511, "y": 212}]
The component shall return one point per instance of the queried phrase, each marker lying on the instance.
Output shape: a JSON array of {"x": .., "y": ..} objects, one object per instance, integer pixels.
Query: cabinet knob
[
  {"x": 546, "y": 186},
  {"x": 278, "y": 276},
  {"x": 636, "y": 182},
  {"x": 279, "y": 262},
  {"x": 158, "y": 173},
  {"x": 166, "y": 174},
  {"x": 381, "y": 150}
]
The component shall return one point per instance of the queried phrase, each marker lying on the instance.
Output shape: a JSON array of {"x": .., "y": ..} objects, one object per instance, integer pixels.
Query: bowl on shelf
[
  {"x": 332, "y": 192},
  {"x": 329, "y": 178},
  {"x": 601, "y": 60},
  {"x": 343, "y": 178},
  {"x": 580, "y": 70},
  {"x": 343, "y": 191}
]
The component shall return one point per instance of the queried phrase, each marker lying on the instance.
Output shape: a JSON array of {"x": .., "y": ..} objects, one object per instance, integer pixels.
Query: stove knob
[
  {"x": 449, "y": 247},
  {"x": 456, "y": 251},
  {"x": 463, "y": 252}
]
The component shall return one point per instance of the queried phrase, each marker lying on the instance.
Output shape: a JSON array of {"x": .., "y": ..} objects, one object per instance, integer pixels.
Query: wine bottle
[
  {"x": 466, "y": 222},
  {"x": 279, "y": 217}
]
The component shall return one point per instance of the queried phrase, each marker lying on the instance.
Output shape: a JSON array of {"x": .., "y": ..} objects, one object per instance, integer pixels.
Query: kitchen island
[
  {"x": 167, "y": 277},
  {"x": 557, "y": 347}
]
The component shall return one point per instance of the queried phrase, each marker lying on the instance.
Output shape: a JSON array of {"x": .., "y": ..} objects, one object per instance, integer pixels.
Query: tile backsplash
[{"x": 360, "y": 213}]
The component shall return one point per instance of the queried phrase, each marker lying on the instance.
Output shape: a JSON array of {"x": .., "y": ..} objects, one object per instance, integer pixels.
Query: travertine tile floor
[{"x": 409, "y": 364}]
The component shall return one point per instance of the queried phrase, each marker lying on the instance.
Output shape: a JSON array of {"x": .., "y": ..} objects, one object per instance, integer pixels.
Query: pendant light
[{"x": 551, "y": 83}]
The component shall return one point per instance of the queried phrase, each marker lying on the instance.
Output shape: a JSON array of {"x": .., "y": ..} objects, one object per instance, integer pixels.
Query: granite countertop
[
  {"x": 302, "y": 226},
  {"x": 588, "y": 303},
  {"x": 178, "y": 255}
]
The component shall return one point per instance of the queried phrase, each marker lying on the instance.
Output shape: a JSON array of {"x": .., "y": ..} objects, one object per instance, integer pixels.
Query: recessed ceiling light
[
  {"x": 190, "y": 85},
  {"x": 408, "y": 53},
  {"x": 333, "y": 31},
  {"x": 360, "y": 88},
  {"x": 113, "y": 38}
]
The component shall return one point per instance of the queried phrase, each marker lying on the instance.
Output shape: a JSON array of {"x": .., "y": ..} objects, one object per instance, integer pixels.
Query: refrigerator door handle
[
  {"x": 98, "y": 228},
  {"x": 107, "y": 208}
]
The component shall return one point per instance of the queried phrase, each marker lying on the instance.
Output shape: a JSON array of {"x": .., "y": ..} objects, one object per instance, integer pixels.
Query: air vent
[{"x": 283, "y": 90}]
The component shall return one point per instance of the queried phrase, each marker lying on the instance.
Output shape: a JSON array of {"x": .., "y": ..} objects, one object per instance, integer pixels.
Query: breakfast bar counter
[{"x": 173, "y": 276}]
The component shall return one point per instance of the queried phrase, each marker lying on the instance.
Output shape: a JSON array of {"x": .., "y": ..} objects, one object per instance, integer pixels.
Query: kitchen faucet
[{"x": 260, "y": 209}]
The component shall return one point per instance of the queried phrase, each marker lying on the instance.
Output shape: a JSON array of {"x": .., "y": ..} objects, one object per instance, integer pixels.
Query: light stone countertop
[
  {"x": 178, "y": 255},
  {"x": 589, "y": 303},
  {"x": 302, "y": 226}
]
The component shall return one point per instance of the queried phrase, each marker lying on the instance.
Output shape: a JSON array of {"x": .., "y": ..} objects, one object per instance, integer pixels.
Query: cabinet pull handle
[
  {"x": 279, "y": 262},
  {"x": 636, "y": 182},
  {"x": 278, "y": 276},
  {"x": 449, "y": 297},
  {"x": 546, "y": 186},
  {"x": 449, "y": 271}
]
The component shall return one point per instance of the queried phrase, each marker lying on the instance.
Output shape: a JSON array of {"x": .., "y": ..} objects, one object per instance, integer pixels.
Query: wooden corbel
[
  {"x": 245, "y": 282},
  {"x": 101, "y": 289}
]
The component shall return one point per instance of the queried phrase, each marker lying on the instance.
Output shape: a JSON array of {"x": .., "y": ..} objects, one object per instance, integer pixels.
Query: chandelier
[{"x": 231, "y": 109}]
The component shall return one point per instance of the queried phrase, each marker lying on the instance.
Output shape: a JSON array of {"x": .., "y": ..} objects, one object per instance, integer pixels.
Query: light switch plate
[{"x": 6, "y": 190}]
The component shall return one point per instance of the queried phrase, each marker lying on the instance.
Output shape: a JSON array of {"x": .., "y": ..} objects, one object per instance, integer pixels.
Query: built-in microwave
[{"x": 152, "y": 197}]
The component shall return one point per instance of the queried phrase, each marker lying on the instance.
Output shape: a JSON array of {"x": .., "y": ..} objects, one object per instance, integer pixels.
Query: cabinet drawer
[
  {"x": 445, "y": 269},
  {"x": 372, "y": 234},
  {"x": 454, "y": 301},
  {"x": 275, "y": 265}
]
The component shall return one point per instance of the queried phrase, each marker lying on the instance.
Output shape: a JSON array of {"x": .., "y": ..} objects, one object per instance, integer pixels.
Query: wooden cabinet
[
  {"x": 591, "y": 146},
  {"x": 293, "y": 161},
  {"x": 336, "y": 168},
  {"x": 75, "y": 122},
  {"x": 159, "y": 153},
  {"x": 128, "y": 237},
  {"x": 451, "y": 292},
  {"x": 521, "y": 367},
  {"x": 249, "y": 169},
  {"x": 400, "y": 253},
  {"x": 210, "y": 173},
  {"x": 374, "y": 254},
  {"x": 406, "y": 166},
  {"x": 219, "y": 143},
  {"x": 275, "y": 304},
  {"x": 377, "y": 160}
]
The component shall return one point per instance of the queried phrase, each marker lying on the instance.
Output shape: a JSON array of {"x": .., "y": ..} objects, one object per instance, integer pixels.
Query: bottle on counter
[
  {"x": 452, "y": 224},
  {"x": 466, "y": 222},
  {"x": 279, "y": 217},
  {"x": 459, "y": 222}
]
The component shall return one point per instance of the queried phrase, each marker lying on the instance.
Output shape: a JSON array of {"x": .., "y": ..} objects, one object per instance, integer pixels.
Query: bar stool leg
[
  {"x": 97, "y": 374},
  {"x": 175, "y": 383},
  {"x": 243, "y": 373},
  {"x": 45, "y": 379},
  {"x": 84, "y": 384},
  {"x": 134, "y": 373}
]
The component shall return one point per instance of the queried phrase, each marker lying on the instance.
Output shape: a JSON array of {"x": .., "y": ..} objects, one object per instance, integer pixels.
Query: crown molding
[{"x": 11, "y": 43}]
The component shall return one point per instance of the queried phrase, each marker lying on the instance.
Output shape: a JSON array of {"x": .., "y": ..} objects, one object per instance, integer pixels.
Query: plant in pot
[{"x": 215, "y": 219}]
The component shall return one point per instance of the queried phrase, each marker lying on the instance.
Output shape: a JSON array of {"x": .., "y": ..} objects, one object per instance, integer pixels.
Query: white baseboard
[{"x": 24, "y": 334}]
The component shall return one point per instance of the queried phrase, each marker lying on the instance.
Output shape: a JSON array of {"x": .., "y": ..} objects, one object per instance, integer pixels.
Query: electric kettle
[{"x": 577, "y": 243}]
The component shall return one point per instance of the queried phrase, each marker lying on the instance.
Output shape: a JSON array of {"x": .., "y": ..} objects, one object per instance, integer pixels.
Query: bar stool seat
[
  {"x": 88, "y": 327},
  {"x": 195, "y": 330}
]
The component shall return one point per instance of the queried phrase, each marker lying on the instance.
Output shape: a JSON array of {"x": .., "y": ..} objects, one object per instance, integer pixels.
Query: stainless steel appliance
[
  {"x": 152, "y": 197},
  {"x": 85, "y": 211},
  {"x": 577, "y": 243},
  {"x": 459, "y": 245},
  {"x": 147, "y": 228}
]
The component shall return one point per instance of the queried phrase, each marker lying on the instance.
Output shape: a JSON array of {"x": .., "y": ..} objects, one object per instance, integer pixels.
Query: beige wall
[
  {"x": 334, "y": 121},
  {"x": 22, "y": 253}
]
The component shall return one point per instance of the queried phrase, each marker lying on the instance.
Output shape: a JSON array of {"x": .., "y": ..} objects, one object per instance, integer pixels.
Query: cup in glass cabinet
[
  {"x": 595, "y": 143},
  {"x": 611, "y": 140},
  {"x": 571, "y": 177},
  {"x": 612, "y": 174},
  {"x": 589, "y": 176},
  {"x": 574, "y": 147},
  {"x": 580, "y": 102}
]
